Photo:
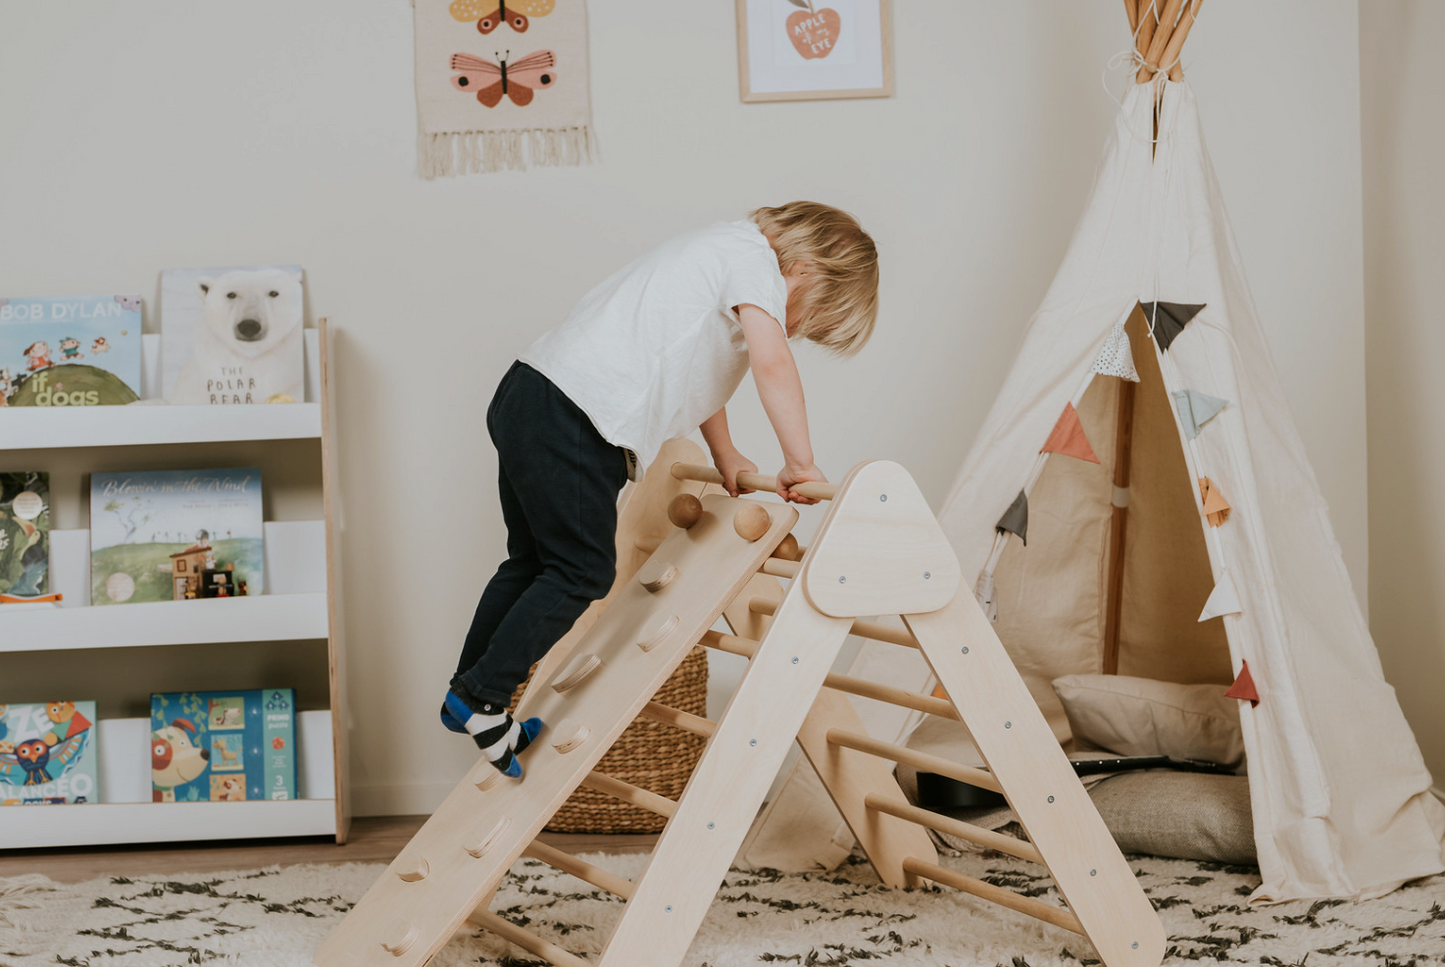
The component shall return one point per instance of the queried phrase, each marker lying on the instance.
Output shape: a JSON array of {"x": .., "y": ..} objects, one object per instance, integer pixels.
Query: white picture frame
[{"x": 803, "y": 50}]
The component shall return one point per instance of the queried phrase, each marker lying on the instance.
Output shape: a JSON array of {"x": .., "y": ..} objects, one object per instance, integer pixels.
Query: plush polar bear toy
[{"x": 248, "y": 342}]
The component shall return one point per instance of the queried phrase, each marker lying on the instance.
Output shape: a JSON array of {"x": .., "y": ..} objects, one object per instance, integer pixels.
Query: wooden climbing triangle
[{"x": 879, "y": 551}]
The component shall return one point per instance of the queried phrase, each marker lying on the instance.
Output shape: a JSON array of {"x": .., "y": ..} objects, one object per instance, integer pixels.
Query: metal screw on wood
[
  {"x": 795, "y": 661},
  {"x": 842, "y": 579},
  {"x": 965, "y": 649},
  {"x": 1051, "y": 799},
  {"x": 752, "y": 741},
  {"x": 709, "y": 825},
  {"x": 1008, "y": 725},
  {"x": 883, "y": 497},
  {"x": 927, "y": 575},
  {"x": 1093, "y": 872}
]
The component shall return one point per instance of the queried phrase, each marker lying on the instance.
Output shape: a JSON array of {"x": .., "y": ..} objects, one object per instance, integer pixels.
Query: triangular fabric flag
[
  {"x": 1015, "y": 520},
  {"x": 984, "y": 592},
  {"x": 1196, "y": 409},
  {"x": 1243, "y": 687},
  {"x": 1224, "y": 599},
  {"x": 1117, "y": 356},
  {"x": 1170, "y": 319},
  {"x": 1068, "y": 437},
  {"x": 1216, "y": 508}
]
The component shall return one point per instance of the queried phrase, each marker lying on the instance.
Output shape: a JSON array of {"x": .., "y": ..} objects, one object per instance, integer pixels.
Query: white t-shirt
[{"x": 657, "y": 348}]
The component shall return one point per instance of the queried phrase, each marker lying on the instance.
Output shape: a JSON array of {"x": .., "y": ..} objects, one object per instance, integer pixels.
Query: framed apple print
[{"x": 796, "y": 50}]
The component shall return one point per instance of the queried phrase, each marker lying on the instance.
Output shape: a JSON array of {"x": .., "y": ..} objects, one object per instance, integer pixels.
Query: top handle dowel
[{"x": 753, "y": 481}]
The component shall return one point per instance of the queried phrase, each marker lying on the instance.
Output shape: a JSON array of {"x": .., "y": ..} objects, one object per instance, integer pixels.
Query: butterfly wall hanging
[
  {"x": 491, "y": 81},
  {"x": 461, "y": 47},
  {"x": 491, "y": 14}
]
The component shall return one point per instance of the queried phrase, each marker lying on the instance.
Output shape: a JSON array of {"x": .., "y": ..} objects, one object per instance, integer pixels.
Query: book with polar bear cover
[
  {"x": 78, "y": 351},
  {"x": 47, "y": 754},
  {"x": 230, "y": 746},
  {"x": 232, "y": 335},
  {"x": 151, "y": 532}
]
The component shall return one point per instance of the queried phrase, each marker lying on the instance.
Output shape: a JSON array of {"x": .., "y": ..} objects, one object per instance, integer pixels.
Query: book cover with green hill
[
  {"x": 153, "y": 533},
  {"x": 79, "y": 351}
]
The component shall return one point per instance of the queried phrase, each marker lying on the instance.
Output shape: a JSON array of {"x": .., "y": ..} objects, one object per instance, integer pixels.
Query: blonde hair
[{"x": 837, "y": 303}]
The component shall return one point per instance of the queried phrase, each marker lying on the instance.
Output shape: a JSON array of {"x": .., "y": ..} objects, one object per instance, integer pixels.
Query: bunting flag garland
[
  {"x": 1243, "y": 687},
  {"x": 1216, "y": 508},
  {"x": 1068, "y": 437},
  {"x": 1170, "y": 319},
  {"x": 1196, "y": 409},
  {"x": 983, "y": 591},
  {"x": 1224, "y": 599},
  {"x": 1015, "y": 520},
  {"x": 1117, "y": 357}
]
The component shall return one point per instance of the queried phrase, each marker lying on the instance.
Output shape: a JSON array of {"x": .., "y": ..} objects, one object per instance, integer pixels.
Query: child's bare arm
[
  {"x": 781, "y": 392},
  {"x": 725, "y": 455}
]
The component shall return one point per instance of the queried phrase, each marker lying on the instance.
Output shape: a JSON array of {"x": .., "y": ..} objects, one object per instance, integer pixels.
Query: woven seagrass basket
[{"x": 656, "y": 757}]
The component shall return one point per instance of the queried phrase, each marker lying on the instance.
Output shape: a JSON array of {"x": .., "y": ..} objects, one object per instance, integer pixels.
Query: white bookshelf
[
  {"x": 126, "y": 814},
  {"x": 44, "y": 428},
  {"x": 299, "y": 604}
]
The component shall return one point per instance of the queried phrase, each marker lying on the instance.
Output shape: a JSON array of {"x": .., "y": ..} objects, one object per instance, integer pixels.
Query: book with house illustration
[
  {"x": 48, "y": 754},
  {"x": 164, "y": 535},
  {"x": 232, "y": 746},
  {"x": 24, "y": 537},
  {"x": 79, "y": 351}
]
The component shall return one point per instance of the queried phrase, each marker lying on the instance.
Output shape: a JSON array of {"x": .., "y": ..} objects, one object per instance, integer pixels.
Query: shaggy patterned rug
[{"x": 277, "y": 917}]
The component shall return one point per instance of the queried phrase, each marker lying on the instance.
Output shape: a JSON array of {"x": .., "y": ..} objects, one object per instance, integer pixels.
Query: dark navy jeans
[{"x": 558, "y": 481}]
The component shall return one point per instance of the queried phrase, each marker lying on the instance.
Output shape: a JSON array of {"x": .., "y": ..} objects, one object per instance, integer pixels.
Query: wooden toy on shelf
[{"x": 879, "y": 550}]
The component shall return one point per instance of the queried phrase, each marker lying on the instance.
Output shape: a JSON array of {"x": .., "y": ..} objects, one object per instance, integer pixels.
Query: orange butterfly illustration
[
  {"x": 513, "y": 12},
  {"x": 518, "y": 81}
]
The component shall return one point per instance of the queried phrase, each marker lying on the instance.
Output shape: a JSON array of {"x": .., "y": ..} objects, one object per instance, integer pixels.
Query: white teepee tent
[{"x": 1199, "y": 540}]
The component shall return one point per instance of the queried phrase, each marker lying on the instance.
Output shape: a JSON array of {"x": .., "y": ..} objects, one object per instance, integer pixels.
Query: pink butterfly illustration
[{"x": 518, "y": 81}]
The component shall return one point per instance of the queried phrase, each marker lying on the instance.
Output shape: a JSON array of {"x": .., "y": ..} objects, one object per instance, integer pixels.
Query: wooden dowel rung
[
  {"x": 953, "y": 827},
  {"x": 922, "y": 761},
  {"x": 628, "y": 793},
  {"x": 1026, "y": 905},
  {"x": 731, "y": 644},
  {"x": 780, "y": 568},
  {"x": 529, "y": 942},
  {"x": 747, "y": 648},
  {"x": 567, "y": 863},
  {"x": 668, "y": 715},
  {"x": 752, "y": 481},
  {"x": 893, "y": 696},
  {"x": 875, "y": 630}
]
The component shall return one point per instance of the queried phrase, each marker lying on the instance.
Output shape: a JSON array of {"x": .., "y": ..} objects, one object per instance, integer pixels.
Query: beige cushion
[{"x": 1139, "y": 716}]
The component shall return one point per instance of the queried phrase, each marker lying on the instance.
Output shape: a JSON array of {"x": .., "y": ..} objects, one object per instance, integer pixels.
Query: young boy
[{"x": 650, "y": 355}]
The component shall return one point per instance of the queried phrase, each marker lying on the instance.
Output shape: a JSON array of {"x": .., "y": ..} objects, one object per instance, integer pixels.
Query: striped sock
[{"x": 492, "y": 729}]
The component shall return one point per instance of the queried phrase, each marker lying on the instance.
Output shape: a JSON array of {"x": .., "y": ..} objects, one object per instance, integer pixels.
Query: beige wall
[
  {"x": 1402, "y": 89},
  {"x": 160, "y": 133}
]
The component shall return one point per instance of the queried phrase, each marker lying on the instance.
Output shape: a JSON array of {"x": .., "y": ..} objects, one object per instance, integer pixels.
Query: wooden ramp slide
[{"x": 879, "y": 551}]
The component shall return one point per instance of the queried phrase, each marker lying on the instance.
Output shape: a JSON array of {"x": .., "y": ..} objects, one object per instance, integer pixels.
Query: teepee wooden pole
[
  {"x": 1118, "y": 527},
  {"x": 1132, "y": 10},
  {"x": 1160, "y": 39},
  {"x": 1148, "y": 20},
  {"x": 1176, "y": 42}
]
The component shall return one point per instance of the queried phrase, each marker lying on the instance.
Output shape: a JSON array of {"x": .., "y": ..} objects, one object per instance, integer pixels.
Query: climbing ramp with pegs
[{"x": 879, "y": 551}]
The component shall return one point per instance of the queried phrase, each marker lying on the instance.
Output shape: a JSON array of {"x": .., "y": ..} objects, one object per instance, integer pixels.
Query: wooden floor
[{"x": 373, "y": 839}]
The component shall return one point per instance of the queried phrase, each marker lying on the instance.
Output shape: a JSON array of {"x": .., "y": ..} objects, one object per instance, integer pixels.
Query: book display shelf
[{"x": 123, "y": 652}]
